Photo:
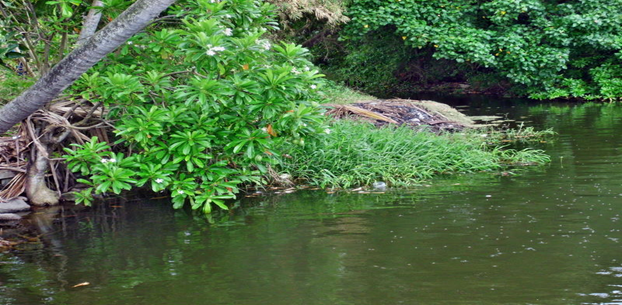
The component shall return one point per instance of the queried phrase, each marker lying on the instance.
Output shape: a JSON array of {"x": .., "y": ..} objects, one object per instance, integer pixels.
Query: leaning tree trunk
[
  {"x": 90, "y": 22},
  {"x": 61, "y": 76}
]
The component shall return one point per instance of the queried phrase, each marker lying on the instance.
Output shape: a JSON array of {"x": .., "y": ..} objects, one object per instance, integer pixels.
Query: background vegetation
[{"x": 536, "y": 48}]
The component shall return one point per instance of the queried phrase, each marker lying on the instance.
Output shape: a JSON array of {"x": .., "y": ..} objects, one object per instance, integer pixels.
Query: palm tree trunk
[{"x": 61, "y": 76}]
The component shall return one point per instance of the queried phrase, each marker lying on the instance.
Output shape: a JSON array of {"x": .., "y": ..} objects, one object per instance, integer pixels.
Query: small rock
[
  {"x": 14, "y": 205},
  {"x": 9, "y": 217},
  {"x": 379, "y": 186},
  {"x": 6, "y": 176}
]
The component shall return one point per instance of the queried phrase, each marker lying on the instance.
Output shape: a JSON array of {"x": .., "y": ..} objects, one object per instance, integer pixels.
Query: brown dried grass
[{"x": 413, "y": 113}]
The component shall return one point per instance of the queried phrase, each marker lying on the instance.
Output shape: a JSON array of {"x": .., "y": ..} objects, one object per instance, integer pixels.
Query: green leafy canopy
[{"x": 546, "y": 49}]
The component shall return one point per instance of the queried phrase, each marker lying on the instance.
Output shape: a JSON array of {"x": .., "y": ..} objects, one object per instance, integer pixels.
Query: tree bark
[
  {"x": 90, "y": 22},
  {"x": 36, "y": 187},
  {"x": 61, "y": 76}
]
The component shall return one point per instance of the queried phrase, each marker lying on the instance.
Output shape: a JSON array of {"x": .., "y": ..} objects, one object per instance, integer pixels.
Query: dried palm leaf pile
[{"x": 417, "y": 114}]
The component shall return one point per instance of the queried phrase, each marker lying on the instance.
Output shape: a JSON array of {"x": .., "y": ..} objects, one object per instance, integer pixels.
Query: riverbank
[
  {"x": 361, "y": 154},
  {"x": 347, "y": 154},
  {"x": 402, "y": 143}
]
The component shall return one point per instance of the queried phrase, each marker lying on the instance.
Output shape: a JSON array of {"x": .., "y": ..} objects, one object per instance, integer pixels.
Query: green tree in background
[{"x": 545, "y": 49}]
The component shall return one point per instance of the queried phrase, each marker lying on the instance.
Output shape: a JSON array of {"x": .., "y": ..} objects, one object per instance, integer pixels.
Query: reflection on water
[{"x": 549, "y": 236}]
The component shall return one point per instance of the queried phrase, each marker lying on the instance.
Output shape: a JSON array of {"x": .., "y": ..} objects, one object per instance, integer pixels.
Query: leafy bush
[{"x": 204, "y": 110}]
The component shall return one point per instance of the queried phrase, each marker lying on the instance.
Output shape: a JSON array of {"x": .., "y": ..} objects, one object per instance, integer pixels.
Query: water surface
[{"x": 550, "y": 235}]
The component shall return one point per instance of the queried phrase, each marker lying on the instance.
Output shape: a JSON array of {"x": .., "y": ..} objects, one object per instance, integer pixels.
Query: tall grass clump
[{"x": 356, "y": 153}]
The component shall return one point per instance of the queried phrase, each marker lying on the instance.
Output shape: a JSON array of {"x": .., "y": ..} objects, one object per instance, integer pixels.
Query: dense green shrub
[
  {"x": 200, "y": 107},
  {"x": 546, "y": 49}
]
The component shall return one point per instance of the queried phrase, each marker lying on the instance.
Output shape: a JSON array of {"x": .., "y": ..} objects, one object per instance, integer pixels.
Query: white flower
[
  {"x": 228, "y": 16},
  {"x": 313, "y": 86},
  {"x": 327, "y": 131},
  {"x": 264, "y": 44},
  {"x": 228, "y": 32},
  {"x": 295, "y": 71},
  {"x": 104, "y": 161},
  {"x": 112, "y": 160},
  {"x": 265, "y": 129},
  {"x": 211, "y": 51},
  {"x": 307, "y": 69},
  {"x": 159, "y": 180},
  {"x": 129, "y": 42},
  {"x": 180, "y": 192}
]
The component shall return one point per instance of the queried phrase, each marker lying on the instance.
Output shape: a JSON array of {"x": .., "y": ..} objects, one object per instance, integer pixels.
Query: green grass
[
  {"x": 339, "y": 94},
  {"x": 11, "y": 85},
  {"x": 525, "y": 134},
  {"x": 356, "y": 154}
]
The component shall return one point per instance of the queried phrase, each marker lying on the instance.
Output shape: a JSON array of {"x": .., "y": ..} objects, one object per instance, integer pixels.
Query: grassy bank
[
  {"x": 11, "y": 85},
  {"x": 338, "y": 94},
  {"x": 356, "y": 153}
]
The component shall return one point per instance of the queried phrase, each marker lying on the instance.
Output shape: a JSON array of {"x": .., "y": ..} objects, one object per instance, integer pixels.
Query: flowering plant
[{"x": 205, "y": 109}]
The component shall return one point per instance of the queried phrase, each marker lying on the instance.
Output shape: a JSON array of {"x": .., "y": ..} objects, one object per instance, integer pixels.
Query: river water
[{"x": 549, "y": 235}]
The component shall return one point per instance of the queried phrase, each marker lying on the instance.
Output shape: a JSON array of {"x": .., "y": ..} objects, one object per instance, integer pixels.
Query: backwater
[{"x": 541, "y": 235}]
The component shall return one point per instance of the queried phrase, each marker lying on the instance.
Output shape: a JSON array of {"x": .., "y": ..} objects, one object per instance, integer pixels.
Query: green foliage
[
  {"x": 524, "y": 134},
  {"x": 371, "y": 64},
  {"x": 359, "y": 153},
  {"x": 546, "y": 49},
  {"x": 9, "y": 46},
  {"x": 43, "y": 31},
  {"x": 202, "y": 107},
  {"x": 109, "y": 172},
  {"x": 46, "y": 29},
  {"x": 329, "y": 11}
]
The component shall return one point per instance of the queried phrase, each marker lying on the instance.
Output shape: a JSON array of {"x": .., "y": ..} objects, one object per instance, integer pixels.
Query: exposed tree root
[{"x": 28, "y": 154}]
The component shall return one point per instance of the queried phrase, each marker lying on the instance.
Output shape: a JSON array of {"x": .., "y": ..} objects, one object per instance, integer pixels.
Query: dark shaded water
[{"x": 548, "y": 236}]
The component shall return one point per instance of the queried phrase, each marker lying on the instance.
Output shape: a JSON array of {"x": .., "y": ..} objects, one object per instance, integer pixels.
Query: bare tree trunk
[
  {"x": 36, "y": 187},
  {"x": 61, "y": 76},
  {"x": 90, "y": 22}
]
